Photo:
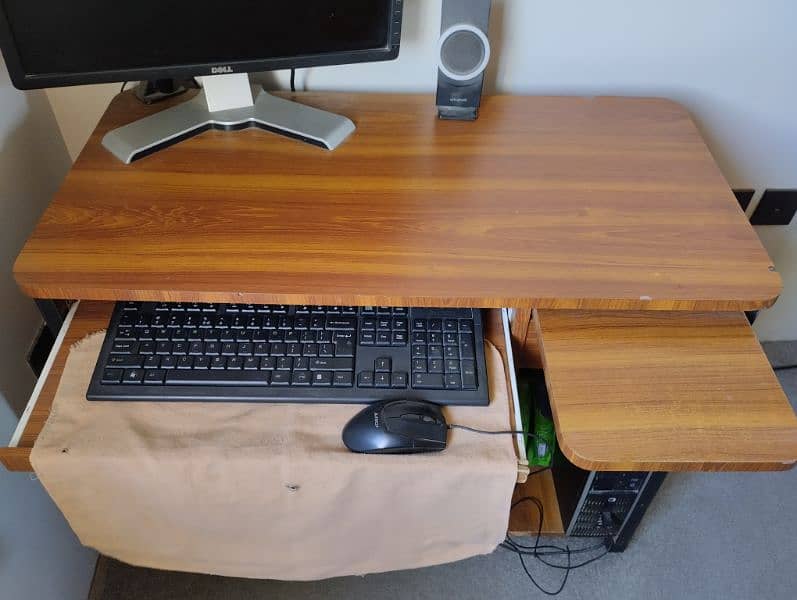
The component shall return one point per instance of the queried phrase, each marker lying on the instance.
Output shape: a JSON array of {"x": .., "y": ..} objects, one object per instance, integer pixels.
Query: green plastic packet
[{"x": 534, "y": 401}]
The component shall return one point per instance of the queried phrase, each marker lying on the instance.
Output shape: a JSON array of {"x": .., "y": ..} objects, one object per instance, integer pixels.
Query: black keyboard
[{"x": 280, "y": 353}]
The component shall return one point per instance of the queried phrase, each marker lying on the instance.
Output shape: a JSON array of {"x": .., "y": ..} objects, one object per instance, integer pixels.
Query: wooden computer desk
[{"x": 604, "y": 222}]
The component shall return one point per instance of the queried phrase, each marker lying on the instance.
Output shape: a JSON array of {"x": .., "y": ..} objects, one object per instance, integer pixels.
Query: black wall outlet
[
  {"x": 777, "y": 207},
  {"x": 744, "y": 197}
]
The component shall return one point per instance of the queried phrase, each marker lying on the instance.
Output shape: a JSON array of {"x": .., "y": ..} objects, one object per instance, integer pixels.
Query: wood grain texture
[
  {"x": 16, "y": 459},
  {"x": 611, "y": 203},
  {"x": 524, "y": 518},
  {"x": 664, "y": 391},
  {"x": 524, "y": 340}
]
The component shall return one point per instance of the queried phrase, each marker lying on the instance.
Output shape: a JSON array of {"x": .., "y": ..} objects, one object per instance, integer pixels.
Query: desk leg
[{"x": 52, "y": 314}]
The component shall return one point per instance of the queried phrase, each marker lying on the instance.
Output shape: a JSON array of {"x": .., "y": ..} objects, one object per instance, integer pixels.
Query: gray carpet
[{"x": 707, "y": 535}]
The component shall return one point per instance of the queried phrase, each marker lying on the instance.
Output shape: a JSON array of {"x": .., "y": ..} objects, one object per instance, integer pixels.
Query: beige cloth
[{"x": 268, "y": 490}]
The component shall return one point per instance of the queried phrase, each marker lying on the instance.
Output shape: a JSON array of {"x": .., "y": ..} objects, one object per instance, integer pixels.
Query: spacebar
[{"x": 247, "y": 378}]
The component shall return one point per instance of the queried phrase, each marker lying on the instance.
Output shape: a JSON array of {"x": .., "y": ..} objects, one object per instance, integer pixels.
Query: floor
[{"x": 707, "y": 535}]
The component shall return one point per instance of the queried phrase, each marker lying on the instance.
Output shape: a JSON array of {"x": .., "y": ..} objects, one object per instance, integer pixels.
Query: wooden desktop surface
[
  {"x": 664, "y": 391},
  {"x": 610, "y": 203}
]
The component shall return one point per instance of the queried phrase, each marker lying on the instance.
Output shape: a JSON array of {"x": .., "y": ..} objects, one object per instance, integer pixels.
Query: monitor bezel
[{"x": 26, "y": 81}]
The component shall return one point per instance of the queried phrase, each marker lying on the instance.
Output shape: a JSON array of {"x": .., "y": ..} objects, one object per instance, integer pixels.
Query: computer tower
[{"x": 606, "y": 504}]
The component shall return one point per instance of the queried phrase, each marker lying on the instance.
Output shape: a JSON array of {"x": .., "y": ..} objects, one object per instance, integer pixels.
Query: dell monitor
[{"x": 49, "y": 43}]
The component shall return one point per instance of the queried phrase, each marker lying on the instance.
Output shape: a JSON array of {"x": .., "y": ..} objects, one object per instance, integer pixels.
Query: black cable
[
  {"x": 549, "y": 550},
  {"x": 123, "y": 87},
  {"x": 784, "y": 367},
  {"x": 293, "y": 80},
  {"x": 486, "y": 432}
]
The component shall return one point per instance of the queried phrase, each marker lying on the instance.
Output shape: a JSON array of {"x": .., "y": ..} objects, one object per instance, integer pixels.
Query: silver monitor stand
[{"x": 227, "y": 102}]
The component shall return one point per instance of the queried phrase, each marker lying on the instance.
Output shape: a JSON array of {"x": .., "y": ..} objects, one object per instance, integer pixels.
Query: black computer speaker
[{"x": 463, "y": 55}]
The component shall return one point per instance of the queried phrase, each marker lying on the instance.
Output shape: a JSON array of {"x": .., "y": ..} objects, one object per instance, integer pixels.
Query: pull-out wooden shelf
[
  {"x": 84, "y": 319},
  {"x": 664, "y": 391}
]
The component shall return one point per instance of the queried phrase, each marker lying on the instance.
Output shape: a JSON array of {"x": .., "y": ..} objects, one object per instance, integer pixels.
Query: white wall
[
  {"x": 732, "y": 63},
  {"x": 39, "y": 555}
]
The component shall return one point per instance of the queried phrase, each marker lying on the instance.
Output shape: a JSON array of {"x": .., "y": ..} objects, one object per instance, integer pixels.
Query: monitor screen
[{"x": 82, "y": 41}]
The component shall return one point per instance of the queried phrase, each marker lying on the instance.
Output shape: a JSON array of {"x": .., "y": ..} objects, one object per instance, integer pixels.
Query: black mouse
[{"x": 397, "y": 427}]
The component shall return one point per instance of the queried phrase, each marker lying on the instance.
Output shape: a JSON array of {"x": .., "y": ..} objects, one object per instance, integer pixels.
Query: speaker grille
[{"x": 462, "y": 53}]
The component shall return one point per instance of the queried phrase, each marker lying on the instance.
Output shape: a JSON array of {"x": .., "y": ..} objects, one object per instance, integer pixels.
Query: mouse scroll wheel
[{"x": 417, "y": 418}]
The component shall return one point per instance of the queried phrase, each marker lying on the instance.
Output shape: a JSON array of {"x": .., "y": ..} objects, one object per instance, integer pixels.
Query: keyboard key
[
  {"x": 344, "y": 348},
  {"x": 126, "y": 361},
  {"x": 382, "y": 380},
  {"x": 331, "y": 364},
  {"x": 419, "y": 365},
  {"x": 300, "y": 378},
  {"x": 466, "y": 349},
  {"x": 124, "y": 347},
  {"x": 196, "y": 348},
  {"x": 450, "y": 339},
  {"x": 179, "y": 348},
  {"x": 383, "y": 323},
  {"x": 427, "y": 381},
  {"x": 399, "y": 338},
  {"x": 451, "y": 352},
  {"x": 278, "y": 349},
  {"x": 284, "y": 363},
  {"x": 468, "y": 375},
  {"x": 154, "y": 377},
  {"x": 368, "y": 323},
  {"x": 201, "y": 362},
  {"x": 185, "y": 362},
  {"x": 365, "y": 379},
  {"x": 450, "y": 325},
  {"x": 218, "y": 363},
  {"x": 342, "y": 379},
  {"x": 111, "y": 376},
  {"x": 398, "y": 380},
  {"x": 435, "y": 338},
  {"x": 400, "y": 310},
  {"x": 152, "y": 362},
  {"x": 382, "y": 365},
  {"x": 452, "y": 381},
  {"x": 435, "y": 365},
  {"x": 322, "y": 378},
  {"x": 335, "y": 322},
  {"x": 382, "y": 338},
  {"x": 435, "y": 325},
  {"x": 301, "y": 363},
  {"x": 268, "y": 363},
  {"x": 310, "y": 350},
  {"x": 235, "y": 363},
  {"x": 399, "y": 323},
  {"x": 418, "y": 351},
  {"x": 132, "y": 376},
  {"x": 434, "y": 351},
  {"x": 452, "y": 366},
  {"x": 294, "y": 349},
  {"x": 465, "y": 326},
  {"x": 212, "y": 348},
  {"x": 326, "y": 349},
  {"x": 245, "y": 349},
  {"x": 168, "y": 362},
  {"x": 251, "y": 363},
  {"x": 279, "y": 377},
  {"x": 221, "y": 378},
  {"x": 262, "y": 349},
  {"x": 419, "y": 324},
  {"x": 323, "y": 337},
  {"x": 367, "y": 338}
]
